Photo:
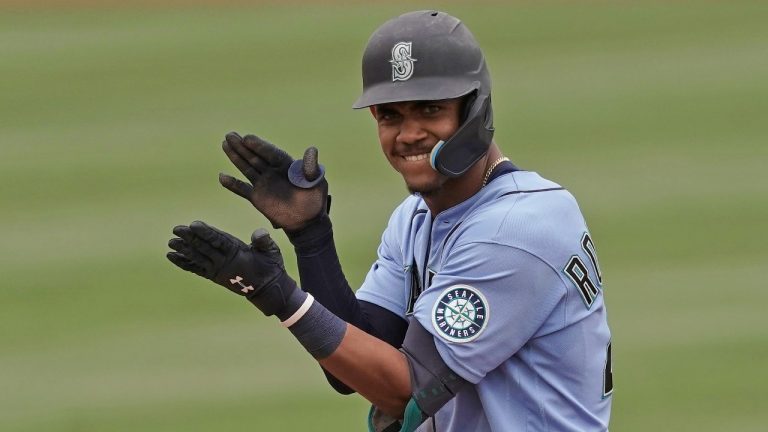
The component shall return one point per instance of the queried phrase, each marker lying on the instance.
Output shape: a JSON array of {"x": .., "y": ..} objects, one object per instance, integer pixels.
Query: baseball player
[{"x": 484, "y": 309}]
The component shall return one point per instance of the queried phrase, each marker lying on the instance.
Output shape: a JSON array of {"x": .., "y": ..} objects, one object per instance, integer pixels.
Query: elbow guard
[{"x": 433, "y": 383}]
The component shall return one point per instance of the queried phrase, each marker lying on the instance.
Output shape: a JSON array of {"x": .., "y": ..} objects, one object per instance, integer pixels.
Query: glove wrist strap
[{"x": 282, "y": 297}]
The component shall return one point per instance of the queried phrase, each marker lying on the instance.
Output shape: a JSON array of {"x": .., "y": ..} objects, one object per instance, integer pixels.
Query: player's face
[{"x": 408, "y": 131}]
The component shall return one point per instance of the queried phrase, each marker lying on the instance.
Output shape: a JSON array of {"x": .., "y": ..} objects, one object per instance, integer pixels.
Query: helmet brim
[{"x": 416, "y": 89}]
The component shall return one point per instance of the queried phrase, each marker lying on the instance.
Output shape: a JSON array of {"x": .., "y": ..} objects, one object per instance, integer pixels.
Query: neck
[{"x": 459, "y": 189}]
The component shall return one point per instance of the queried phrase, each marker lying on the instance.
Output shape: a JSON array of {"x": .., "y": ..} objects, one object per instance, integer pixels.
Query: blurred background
[{"x": 653, "y": 114}]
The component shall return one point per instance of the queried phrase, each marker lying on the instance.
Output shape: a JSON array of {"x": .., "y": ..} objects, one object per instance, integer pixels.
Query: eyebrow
[
  {"x": 387, "y": 108},
  {"x": 384, "y": 109},
  {"x": 419, "y": 104}
]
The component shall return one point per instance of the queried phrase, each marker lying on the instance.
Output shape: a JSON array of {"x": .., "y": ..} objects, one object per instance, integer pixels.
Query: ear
[{"x": 372, "y": 108}]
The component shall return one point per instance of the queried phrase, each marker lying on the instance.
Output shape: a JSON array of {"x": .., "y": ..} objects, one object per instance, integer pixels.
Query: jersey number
[{"x": 577, "y": 271}]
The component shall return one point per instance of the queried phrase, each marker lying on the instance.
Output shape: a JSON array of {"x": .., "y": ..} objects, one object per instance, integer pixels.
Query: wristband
[{"x": 319, "y": 331}]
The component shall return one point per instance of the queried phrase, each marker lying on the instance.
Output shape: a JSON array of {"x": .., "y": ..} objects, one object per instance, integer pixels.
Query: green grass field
[{"x": 653, "y": 114}]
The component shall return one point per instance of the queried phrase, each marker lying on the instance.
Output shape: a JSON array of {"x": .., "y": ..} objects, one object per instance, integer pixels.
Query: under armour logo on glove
[
  {"x": 254, "y": 271},
  {"x": 239, "y": 280}
]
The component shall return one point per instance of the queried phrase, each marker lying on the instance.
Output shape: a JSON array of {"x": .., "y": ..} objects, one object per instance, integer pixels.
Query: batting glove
[
  {"x": 288, "y": 193},
  {"x": 254, "y": 271}
]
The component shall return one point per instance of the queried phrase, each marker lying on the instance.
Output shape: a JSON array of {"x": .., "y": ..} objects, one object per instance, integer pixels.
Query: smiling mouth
[{"x": 415, "y": 158}]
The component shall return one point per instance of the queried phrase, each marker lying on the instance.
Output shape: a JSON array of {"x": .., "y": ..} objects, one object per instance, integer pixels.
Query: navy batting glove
[
  {"x": 290, "y": 194},
  {"x": 255, "y": 271}
]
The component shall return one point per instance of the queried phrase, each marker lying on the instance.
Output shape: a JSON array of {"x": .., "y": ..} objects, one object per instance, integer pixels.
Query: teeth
[{"x": 416, "y": 157}]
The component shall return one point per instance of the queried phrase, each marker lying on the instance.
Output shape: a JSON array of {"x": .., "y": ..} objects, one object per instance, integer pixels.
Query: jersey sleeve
[
  {"x": 384, "y": 284},
  {"x": 487, "y": 301}
]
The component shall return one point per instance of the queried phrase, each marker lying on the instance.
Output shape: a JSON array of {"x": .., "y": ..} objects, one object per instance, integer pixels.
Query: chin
[
  {"x": 424, "y": 188},
  {"x": 422, "y": 180}
]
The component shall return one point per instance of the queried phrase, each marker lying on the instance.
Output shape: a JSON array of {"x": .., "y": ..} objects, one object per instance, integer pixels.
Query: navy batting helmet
[{"x": 430, "y": 55}]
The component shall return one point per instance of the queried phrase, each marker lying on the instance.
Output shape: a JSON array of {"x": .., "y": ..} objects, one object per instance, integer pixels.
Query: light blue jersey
[{"x": 512, "y": 294}]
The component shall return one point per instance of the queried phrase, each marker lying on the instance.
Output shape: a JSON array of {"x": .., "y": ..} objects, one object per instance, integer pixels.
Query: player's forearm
[
  {"x": 321, "y": 275},
  {"x": 320, "y": 271},
  {"x": 373, "y": 368},
  {"x": 368, "y": 365}
]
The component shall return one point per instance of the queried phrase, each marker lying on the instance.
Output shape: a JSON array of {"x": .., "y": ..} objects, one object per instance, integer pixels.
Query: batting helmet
[{"x": 430, "y": 55}]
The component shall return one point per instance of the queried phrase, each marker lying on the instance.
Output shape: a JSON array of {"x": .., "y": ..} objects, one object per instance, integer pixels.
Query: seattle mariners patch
[{"x": 460, "y": 313}]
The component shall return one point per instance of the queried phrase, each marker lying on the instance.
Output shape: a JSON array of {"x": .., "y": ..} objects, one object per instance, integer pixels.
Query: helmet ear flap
[
  {"x": 470, "y": 142},
  {"x": 466, "y": 106}
]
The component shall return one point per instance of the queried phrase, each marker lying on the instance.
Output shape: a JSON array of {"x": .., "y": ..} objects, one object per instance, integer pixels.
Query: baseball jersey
[{"x": 509, "y": 285}]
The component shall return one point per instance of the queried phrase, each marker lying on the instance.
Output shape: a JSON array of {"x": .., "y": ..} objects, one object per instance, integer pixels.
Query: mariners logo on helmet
[
  {"x": 402, "y": 62},
  {"x": 460, "y": 313}
]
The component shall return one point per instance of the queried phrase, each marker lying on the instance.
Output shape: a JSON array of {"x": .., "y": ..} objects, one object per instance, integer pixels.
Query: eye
[
  {"x": 386, "y": 116},
  {"x": 431, "y": 109}
]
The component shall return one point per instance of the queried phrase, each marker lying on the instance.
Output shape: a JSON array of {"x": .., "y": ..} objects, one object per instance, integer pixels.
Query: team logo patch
[
  {"x": 402, "y": 62},
  {"x": 460, "y": 313}
]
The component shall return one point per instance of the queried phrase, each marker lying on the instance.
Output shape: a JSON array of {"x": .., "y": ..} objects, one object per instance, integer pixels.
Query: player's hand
[
  {"x": 254, "y": 271},
  {"x": 288, "y": 194}
]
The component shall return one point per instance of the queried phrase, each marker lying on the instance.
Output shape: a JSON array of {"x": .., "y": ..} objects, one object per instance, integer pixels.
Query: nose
[{"x": 411, "y": 132}]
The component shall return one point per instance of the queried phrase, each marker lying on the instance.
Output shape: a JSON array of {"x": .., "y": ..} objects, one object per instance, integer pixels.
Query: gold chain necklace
[{"x": 492, "y": 167}]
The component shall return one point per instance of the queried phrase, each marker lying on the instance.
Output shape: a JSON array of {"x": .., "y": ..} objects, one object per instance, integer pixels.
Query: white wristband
[{"x": 300, "y": 312}]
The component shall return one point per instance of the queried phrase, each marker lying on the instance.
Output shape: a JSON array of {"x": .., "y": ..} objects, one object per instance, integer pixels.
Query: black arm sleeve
[{"x": 321, "y": 275}]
